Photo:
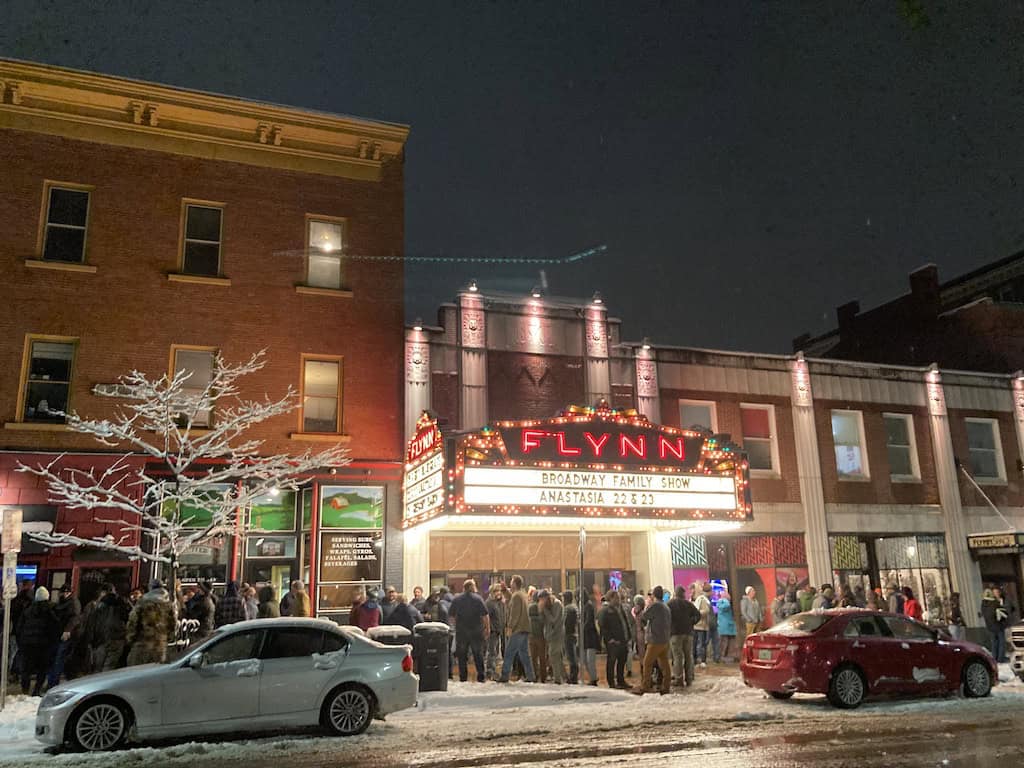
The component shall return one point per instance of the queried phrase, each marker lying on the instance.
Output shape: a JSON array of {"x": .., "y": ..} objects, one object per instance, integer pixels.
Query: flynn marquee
[{"x": 520, "y": 497}]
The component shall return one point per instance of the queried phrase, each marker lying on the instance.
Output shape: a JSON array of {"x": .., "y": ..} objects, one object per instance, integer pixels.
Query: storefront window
[{"x": 273, "y": 512}]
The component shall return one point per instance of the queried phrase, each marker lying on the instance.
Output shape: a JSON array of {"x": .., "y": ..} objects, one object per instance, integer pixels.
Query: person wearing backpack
[{"x": 572, "y": 635}]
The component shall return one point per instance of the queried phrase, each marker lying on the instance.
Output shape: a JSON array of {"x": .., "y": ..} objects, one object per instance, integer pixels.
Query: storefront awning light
[{"x": 521, "y": 523}]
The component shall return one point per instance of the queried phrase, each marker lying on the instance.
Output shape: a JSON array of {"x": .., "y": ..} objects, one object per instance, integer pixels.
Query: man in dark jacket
[
  {"x": 617, "y": 633},
  {"x": 388, "y": 604},
  {"x": 68, "y": 611},
  {"x": 572, "y": 636},
  {"x": 591, "y": 639},
  {"x": 200, "y": 608},
  {"x": 230, "y": 608},
  {"x": 472, "y": 626},
  {"x": 268, "y": 607},
  {"x": 38, "y": 632},
  {"x": 403, "y": 614},
  {"x": 105, "y": 632},
  {"x": 684, "y": 616},
  {"x": 657, "y": 621},
  {"x": 496, "y": 611},
  {"x": 436, "y": 609}
]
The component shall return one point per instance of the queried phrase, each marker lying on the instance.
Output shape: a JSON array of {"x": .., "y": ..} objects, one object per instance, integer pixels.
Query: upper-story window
[
  {"x": 198, "y": 363},
  {"x": 901, "y": 446},
  {"x": 985, "y": 449},
  {"x": 698, "y": 413},
  {"x": 321, "y": 394},
  {"x": 67, "y": 216},
  {"x": 324, "y": 243},
  {"x": 47, "y": 379},
  {"x": 758, "y": 422},
  {"x": 848, "y": 437},
  {"x": 201, "y": 246}
]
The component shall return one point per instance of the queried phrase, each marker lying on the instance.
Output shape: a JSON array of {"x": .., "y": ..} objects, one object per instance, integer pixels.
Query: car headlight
[{"x": 56, "y": 698}]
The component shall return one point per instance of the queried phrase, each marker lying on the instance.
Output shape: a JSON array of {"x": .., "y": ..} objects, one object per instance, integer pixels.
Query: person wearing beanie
[
  {"x": 151, "y": 626},
  {"x": 38, "y": 633}
]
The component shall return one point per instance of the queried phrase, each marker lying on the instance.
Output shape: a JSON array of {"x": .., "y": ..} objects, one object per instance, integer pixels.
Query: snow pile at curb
[{"x": 18, "y": 725}]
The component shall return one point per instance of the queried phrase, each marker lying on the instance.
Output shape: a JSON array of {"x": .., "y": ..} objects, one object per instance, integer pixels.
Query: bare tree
[{"x": 189, "y": 473}]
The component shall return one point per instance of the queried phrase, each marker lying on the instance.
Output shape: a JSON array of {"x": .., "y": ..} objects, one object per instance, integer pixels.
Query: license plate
[{"x": 764, "y": 654}]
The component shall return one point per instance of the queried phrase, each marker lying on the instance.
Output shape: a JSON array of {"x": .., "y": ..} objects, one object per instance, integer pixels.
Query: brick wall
[
  {"x": 127, "y": 315},
  {"x": 1010, "y": 493}
]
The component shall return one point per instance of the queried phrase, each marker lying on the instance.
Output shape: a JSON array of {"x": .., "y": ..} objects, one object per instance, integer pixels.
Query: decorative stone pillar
[
  {"x": 598, "y": 373},
  {"x": 963, "y": 572},
  {"x": 808, "y": 463},
  {"x": 1018, "y": 408},
  {"x": 417, "y": 377},
  {"x": 473, "y": 353},
  {"x": 648, "y": 396},
  {"x": 416, "y": 559}
]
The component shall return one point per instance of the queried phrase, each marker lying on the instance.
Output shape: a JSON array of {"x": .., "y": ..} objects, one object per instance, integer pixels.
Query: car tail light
[{"x": 407, "y": 663}]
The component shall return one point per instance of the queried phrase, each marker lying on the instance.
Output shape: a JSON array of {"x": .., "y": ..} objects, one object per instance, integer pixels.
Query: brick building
[
  {"x": 853, "y": 466},
  {"x": 148, "y": 227},
  {"x": 973, "y": 322}
]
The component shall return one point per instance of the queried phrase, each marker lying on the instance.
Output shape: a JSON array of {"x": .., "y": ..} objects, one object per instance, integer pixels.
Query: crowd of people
[
  {"x": 63, "y": 639},
  {"x": 515, "y": 632}
]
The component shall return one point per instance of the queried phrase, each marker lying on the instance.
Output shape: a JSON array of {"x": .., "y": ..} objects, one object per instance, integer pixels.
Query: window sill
[
  {"x": 850, "y": 479},
  {"x": 765, "y": 474},
  {"x": 997, "y": 481},
  {"x": 32, "y": 426},
  {"x": 337, "y": 293},
  {"x": 178, "y": 277},
  {"x": 321, "y": 437},
  {"x": 60, "y": 266},
  {"x": 905, "y": 479}
]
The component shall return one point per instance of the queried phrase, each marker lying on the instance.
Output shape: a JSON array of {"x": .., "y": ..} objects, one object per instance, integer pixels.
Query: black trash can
[{"x": 431, "y": 646}]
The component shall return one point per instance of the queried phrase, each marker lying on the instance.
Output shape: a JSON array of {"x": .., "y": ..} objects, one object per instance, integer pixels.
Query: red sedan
[{"x": 851, "y": 653}]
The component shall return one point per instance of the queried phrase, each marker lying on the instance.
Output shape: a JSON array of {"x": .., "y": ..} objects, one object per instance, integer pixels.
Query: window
[
  {"x": 697, "y": 413},
  {"x": 67, "y": 211},
  {"x": 201, "y": 248},
  {"x": 758, "y": 422},
  {"x": 801, "y": 624},
  {"x": 293, "y": 643},
  {"x": 237, "y": 646},
  {"x": 865, "y": 626},
  {"x": 986, "y": 455},
  {"x": 333, "y": 642},
  {"x": 199, "y": 364},
  {"x": 323, "y": 250},
  {"x": 321, "y": 395},
  {"x": 47, "y": 380},
  {"x": 899, "y": 442},
  {"x": 848, "y": 437},
  {"x": 904, "y": 629}
]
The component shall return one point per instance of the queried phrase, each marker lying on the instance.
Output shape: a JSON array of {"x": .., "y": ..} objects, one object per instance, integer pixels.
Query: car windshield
[{"x": 801, "y": 624}]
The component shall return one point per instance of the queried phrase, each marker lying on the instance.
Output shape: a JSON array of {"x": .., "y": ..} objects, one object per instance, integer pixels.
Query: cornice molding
[{"x": 133, "y": 113}]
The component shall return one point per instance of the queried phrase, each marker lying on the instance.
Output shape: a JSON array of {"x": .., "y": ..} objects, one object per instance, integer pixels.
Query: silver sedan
[{"x": 250, "y": 676}]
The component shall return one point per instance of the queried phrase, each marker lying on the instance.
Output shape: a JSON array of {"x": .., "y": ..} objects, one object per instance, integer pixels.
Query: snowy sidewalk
[{"x": 494, "y": 710}]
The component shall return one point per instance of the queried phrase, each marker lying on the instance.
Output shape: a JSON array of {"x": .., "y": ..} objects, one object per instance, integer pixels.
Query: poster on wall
[
  {"x": 350, "y": 556},
  {"x": 351, "y": 507},
  {"x": 272, "y": 512}
]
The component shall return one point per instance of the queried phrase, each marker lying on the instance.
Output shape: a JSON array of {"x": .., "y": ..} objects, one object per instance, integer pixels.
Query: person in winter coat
[
  {"x": 292, "y": 602},
  {"x": 68, "y": 611},
  {"x": 538, "y": 645},
  {"x": 806, "y": 597},
  {"x": 517, "y": 627},
  {"x": 38, "y": 633},
  {"x": 552, "y": 615},
  {"x": 404, "y": 614},
  {"x": 775, "y": 607},
  {"x": 1006, "y": 613},
  {"x": 436, "y": 610},
  {"x": 268, "y": 607},
  {"x": 957, "y": 624},
  {"x": 419, "y": 600},
  {"x": 726, "y": 626},
  {"x": 572, "y": 636},
  {"x": 657, "y": 622},
  {"x": 684, "y": 616},
  {"x": 249, "y": 601},
  {"x": 472, "y": 627},
  {"x": 388, "y": 604},
  {"x": 496, "y": 611},
  {"x": 911, "y": 607},
  {"x": 825, "y": 598},
  {"x": 591, "y": 639},
  {"x": 200, "y": 608},
  {"x": 893, "y": 599},
  {"x": 105, "y": 633},
  {"x": 151, "y": 627},
  {"x": 230, "y": 608},
  {"x": 617, "y": 633},
  {"x": 790, "y": 605},
  {"x": 639, "y": 635},
  {"x": 700, "y": 630},
  {"x": 369, "y": 614}
]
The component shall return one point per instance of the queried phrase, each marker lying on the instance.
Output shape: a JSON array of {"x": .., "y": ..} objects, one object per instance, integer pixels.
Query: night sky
[{"x": 748, "y": 167}]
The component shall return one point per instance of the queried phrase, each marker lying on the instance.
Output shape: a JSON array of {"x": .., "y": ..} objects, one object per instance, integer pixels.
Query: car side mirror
[{"x": 197, "y": 661}]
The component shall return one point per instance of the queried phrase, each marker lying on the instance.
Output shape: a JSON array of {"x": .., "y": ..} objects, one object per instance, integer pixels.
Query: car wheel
[
  {"x": 781, "y": 695},
  {"x": 847, "y": 688},
  {"x": 977, "y": 680},
  {"x": 100, "y": 726},
  {"x": 348, "y": 711}
]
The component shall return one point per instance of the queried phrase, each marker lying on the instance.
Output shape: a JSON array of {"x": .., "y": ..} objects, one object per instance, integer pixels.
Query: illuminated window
[
  {"x": 321, "y": 395},
  {"x": 67, "y": 212},
  {"x": 758, "y": 422},
  {"x": 324, "y": 246},
  {"x": 900, "y": 444},
  {"x": 848, "y": 438},
  {"x": 198, "y": 363},
  {"x": 47, "y": 380},
  {"x": 983, "y": 446},
  {"x": 698, "y": 413},
  {"x": 202, "y": 241}
]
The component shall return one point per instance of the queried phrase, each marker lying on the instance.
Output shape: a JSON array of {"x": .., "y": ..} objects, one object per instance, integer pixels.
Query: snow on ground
[{"x": 494, "y": 710}]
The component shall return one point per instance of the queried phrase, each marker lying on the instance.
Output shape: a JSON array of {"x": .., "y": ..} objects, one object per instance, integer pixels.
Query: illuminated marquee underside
[{"x": 585, "y": 463}]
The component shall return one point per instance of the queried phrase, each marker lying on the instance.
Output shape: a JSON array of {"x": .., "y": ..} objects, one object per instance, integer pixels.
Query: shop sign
[
  {"x": 350, "y": 556},
  {"x": 1004, "y": 542},
  {"x": 423, "y": 483}
]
